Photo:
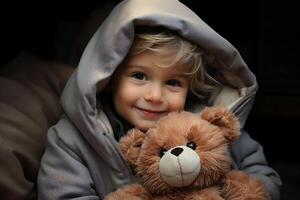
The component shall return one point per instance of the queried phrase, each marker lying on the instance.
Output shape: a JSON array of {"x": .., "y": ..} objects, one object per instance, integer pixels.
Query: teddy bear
[{"x": 186, "y": 156}]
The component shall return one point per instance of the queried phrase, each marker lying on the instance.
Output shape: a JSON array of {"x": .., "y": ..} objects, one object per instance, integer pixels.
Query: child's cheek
[{"x": 177, "y": 102}]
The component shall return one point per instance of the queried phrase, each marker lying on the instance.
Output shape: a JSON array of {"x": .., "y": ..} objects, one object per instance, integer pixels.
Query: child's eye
[
  {"x": 139, "y": 75},
  {"x": 174, "y": 83}
]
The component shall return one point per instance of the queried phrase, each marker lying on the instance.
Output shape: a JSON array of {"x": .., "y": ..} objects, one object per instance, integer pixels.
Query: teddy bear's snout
[
  {"x": 179, "y": 166},
  {"x": 177, "y": 151}
]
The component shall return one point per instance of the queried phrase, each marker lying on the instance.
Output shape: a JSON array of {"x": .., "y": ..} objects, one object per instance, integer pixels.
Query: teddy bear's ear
[
  {"x": 224, "y": 119},
  {"x": 131, "y": 144}
]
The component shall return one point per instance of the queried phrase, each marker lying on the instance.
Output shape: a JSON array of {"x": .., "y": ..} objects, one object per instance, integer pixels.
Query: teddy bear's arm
[
  {"x": 211, "y": 193},
  {"x": 240, "y": 185},
  {"x": 133, "y": 192}
]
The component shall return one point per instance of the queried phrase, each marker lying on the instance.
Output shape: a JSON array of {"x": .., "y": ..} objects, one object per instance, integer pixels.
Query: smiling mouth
[{"x": 150, "y": 113}]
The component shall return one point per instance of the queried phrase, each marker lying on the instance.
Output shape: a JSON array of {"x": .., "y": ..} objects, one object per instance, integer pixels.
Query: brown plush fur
[{"x": 213, "y": 132}]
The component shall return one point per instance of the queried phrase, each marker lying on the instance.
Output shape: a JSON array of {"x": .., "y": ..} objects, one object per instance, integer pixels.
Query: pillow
[{"x": 29, "y": 104}]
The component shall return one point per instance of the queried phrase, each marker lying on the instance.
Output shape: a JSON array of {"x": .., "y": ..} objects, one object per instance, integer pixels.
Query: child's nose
[{"x": 154, "y": 93}]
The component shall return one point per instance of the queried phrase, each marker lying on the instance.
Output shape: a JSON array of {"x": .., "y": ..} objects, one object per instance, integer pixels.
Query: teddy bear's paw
[
  {"x": 132, "y": 192},
  {"x": 241, "y": 186}
]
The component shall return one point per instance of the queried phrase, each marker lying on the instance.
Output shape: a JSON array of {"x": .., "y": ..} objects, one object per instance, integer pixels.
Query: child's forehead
[{"x": 162, "y": 59}]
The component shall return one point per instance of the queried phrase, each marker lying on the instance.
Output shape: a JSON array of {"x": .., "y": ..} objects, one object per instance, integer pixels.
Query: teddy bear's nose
[{"x": 177, "y": 151}]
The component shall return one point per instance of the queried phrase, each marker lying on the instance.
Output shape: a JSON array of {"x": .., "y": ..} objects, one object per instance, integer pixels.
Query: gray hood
[{"x": 110, "y": 44}]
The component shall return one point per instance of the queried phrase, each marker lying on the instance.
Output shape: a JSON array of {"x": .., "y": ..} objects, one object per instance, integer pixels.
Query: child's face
[{"x": 144, "y": 92}]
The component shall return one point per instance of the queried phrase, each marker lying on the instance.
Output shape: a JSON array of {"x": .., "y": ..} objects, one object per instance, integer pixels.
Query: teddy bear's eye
[
  {"x": 162, "y": 152},
  {"x": 192, "y": 145}
]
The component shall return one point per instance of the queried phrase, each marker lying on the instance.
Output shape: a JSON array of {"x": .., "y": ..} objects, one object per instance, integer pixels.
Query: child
[{"x": 147, "y": 59}]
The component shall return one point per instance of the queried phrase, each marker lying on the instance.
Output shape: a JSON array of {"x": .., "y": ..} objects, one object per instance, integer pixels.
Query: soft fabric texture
[
  {"x": 29, "y": 105},
  {"x": 82, "y": 157},
  {"x": 187, "y": 161}
]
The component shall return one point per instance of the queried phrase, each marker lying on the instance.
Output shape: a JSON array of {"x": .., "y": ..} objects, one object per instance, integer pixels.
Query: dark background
[{"x": 266, "y": 34}]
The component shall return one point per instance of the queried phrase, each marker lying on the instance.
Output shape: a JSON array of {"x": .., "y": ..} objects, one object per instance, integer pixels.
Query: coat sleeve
[
  {"x": 62, "y": 174},
  {"x": 249, "y": 157}
]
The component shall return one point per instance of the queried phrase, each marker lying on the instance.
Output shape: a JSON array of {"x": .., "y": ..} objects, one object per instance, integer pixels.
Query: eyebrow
[
  {"x": 174, "y": 75},
  {"x": 137, "y": 65},
  {"x": 181, "y": 75}
]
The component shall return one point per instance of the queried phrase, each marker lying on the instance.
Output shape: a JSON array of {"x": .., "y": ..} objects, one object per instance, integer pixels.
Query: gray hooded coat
[{"x": 82, "y": 159}]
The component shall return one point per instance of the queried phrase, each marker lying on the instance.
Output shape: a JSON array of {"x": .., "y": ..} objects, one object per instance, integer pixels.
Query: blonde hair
[{"x": 186, "y": 53}]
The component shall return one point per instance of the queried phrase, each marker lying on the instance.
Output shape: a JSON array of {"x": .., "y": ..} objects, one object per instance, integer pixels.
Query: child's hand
[{"x": 239, "y": 185}]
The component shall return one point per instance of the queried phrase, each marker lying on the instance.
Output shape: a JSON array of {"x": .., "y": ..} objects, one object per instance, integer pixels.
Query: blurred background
[{"x": 265, "y": 33}]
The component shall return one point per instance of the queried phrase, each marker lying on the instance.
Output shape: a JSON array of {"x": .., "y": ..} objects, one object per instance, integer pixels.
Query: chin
[{"x": 145, "y": 126}]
